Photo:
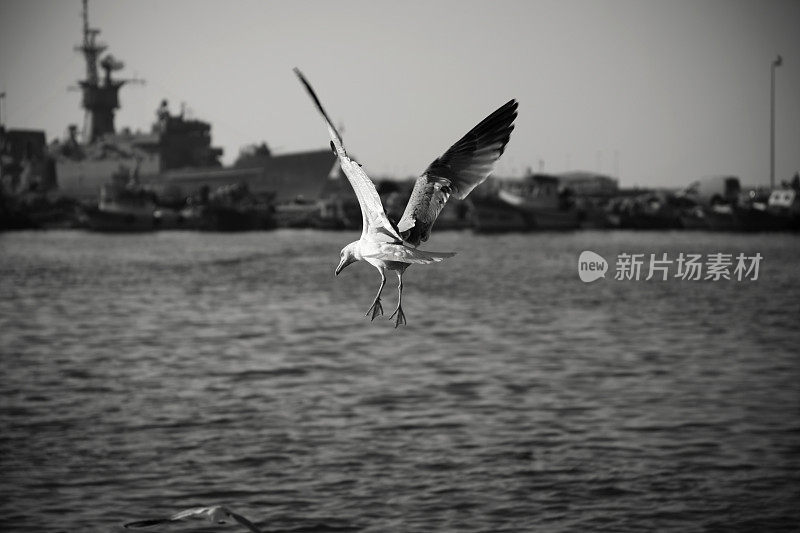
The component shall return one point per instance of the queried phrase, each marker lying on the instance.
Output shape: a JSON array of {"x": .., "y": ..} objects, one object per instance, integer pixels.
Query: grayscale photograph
[{"x": 377, "y": 266}]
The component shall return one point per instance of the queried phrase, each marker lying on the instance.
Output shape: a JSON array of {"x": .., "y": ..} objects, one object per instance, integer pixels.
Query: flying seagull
[
  {"x": 389, "y": 246},
  {"x": 217, "y": 514}
]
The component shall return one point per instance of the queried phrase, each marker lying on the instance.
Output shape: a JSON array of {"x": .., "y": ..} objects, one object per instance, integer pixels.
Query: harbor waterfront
[
  {"x": 172, "y": 177},
  {"x": 151, "y": 372}
]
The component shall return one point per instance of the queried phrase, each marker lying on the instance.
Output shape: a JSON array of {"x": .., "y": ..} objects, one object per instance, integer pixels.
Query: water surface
[{"x": 143, "y": 374}]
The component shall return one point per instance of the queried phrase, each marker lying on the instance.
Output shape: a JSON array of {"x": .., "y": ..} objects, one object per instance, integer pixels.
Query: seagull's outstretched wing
[
  {"x": 460, "y": 169},
  {"x": 216, "y": 514},
  {"x": 373, "y": 217}
]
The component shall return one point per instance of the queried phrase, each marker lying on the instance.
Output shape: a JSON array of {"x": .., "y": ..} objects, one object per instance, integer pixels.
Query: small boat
[
  {"x": 58, "y": 213},
  {"x": 652, "y": 210},
  {"x": 693, "y": 218},
  {"x": 121, "y": 208},
  {"x": 228, "y": 208},
  {"x": 757, "y": 217},
  {"x": 722, "y": 217},
  {"x": 751, "y": 213},
  {"x": 318, "y": 214},
  {"x": 535, "y": 203},
  {"x": 544, "y": 205},
  {"x": 491, "y": 214}
]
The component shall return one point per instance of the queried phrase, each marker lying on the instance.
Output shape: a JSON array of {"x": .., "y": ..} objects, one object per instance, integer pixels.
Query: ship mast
[
  {"x": 100, "y": 97},
  {"x": 90, "y": 48}
]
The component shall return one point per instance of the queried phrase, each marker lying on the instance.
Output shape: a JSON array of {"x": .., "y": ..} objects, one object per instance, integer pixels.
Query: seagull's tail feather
[{"x": 434, "y": 257}]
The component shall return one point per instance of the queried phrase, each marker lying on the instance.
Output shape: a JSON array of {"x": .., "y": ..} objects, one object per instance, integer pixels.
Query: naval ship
[{"x": 176, "y": 160}]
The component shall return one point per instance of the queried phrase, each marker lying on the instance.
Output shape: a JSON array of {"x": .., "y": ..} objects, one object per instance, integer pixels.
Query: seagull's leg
[
  {"x": 376, "y": 309},
  {"x": 401, "y": 317}
]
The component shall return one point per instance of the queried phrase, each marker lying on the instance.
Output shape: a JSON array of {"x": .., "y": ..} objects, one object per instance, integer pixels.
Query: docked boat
[
  {"x": 755, "y": 210},
  {"x": 492, "y": 214},
  {"x": 726, "y": 217},
  {"x": 543, "y": 203},
  {"x": 535, "y": 203},
  {"x": 693, "y": 218},
  {"x": 649, "y": 211},
  {"x": 326, "y": 213},
  {"x": 124, "y": 206},
  {"x": 722, "y": 217},
  {"x": 228, "y": 208}
]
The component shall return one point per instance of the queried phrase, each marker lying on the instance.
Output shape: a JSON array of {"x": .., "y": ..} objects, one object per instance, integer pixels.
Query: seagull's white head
[{"x": 347, "y": 256}]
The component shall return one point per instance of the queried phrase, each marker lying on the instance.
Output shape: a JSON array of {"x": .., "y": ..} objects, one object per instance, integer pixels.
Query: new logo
[{"x": 591, "y": 266}]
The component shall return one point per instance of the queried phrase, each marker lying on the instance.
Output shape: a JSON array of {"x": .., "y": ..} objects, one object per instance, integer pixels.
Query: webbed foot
[
  {"x": 375, "y": 309},
  {"x": 401, "y": 317}
]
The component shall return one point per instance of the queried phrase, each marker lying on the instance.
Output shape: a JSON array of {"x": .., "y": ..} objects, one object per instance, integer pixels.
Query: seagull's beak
[{"x": 343, "y": 263}]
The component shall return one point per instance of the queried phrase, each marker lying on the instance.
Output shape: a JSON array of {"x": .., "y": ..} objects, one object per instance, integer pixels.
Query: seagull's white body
[
  {"x": 217, "y": 514},
  {"x": 389, "y": 246}
]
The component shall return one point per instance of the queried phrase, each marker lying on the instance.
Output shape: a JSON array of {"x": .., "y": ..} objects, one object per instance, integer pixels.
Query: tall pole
[{"x": 776, "y": 63}]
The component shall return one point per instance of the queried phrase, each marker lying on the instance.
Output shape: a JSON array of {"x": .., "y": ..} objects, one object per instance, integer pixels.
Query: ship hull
[{"x": 97, "y": 219}]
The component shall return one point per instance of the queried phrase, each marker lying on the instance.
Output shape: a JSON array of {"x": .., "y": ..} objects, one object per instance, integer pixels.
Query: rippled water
[{"x": 143, "y": 374}]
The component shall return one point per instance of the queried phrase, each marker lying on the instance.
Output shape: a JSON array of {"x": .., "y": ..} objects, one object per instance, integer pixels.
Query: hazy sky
[{"x": 660, "y": 91}]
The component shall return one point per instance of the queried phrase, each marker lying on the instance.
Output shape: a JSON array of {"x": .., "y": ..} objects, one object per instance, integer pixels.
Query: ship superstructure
[
  {"x": 176, "y": 157},
  {"x": 88, "y": 158},
  {"x": 100, "y": 100}
]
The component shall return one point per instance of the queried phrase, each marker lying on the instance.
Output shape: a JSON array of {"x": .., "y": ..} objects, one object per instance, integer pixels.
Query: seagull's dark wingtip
[
  {"x": 314, "y": 97},
  {"x": 307, "y": 85},
  {"x": 511, "y": 106},
  {"x": 304, "y": 81}
]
